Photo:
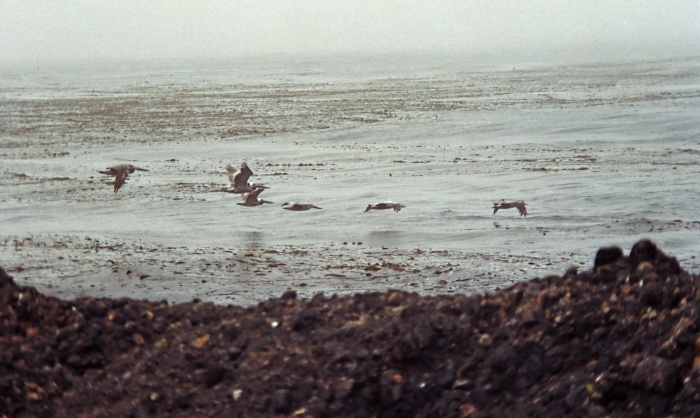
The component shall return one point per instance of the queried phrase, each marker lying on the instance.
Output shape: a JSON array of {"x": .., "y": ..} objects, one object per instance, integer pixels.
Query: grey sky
[{"x": 38, "y": 30}]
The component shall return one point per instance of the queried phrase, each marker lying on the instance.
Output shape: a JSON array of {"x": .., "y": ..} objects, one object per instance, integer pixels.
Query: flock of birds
[{"x": 250, "y": 192}]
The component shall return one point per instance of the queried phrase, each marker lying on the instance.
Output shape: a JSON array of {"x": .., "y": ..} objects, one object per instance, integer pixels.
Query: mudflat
[{"x": 603, "y": 154}]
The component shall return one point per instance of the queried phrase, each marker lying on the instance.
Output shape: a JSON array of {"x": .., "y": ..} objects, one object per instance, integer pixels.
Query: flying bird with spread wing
[
  {"x": 121, "y": 173},
  {"x": 299, "y": 206},
  {"x": 385, "y": 205},
  {"x": 251, "y": 198},
  {"x": 239, "y": 180},
  {"x": 508, "y": 204}
]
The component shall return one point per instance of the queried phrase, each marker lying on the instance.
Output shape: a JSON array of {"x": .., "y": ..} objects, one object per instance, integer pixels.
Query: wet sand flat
[{"x": 604, "y": 154}]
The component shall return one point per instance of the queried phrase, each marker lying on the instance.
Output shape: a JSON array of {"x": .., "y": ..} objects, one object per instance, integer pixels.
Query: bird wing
[
  {"x": 120, "y": 179},
  {"x": 497, "y": 204},
  {"x": 255, "y": 193},
  {"x": 231, "y": 173},
  {"x": 521, "y": 207},
  {"x": 251, "y": 197},
  {"x": 110, "y": 171},
  {"x": 240, "y": 179}
]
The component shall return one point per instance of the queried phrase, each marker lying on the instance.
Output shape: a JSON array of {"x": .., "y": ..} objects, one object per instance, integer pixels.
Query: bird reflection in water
[{"x": 253, "y": 239}]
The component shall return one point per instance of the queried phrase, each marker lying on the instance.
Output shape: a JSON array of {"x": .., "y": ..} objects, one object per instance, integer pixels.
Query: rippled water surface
[{"x": 603, "y": 153}]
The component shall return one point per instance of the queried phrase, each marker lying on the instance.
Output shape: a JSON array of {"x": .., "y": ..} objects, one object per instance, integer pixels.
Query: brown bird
[
  {"x": 251, "y": 198},
  {"x": 239, "y": 180},
  {"x": 507, "y": 204},
  {"x": 120, "y": 173},
  {"x": 299, "y": 206},
  {"x": 386, "y": 205}
]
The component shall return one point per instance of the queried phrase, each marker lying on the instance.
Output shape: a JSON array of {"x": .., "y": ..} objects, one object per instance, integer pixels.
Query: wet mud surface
[
  {"x": 618, "y": 339},
  {"x": 603, "y": 154},
  {"x": 245, "y": 276}
]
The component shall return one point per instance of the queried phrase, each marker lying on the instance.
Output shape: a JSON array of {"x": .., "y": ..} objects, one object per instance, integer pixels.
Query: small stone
[
  {"x": 138, "y": 339},
  {"x": 485, "y": 340},
  {"x": 467, "y": 410},
  {"x": 236, "y": 394},
  {"x": 463, "y": 384},
  {"x": 201, "y": 341}
]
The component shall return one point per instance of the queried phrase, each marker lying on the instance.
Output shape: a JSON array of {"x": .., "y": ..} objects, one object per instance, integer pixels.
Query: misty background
[{"x": 76, "y": 30}]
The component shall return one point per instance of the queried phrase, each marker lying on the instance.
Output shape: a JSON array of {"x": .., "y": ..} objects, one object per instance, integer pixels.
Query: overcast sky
[{"x": 47, "y": 30}]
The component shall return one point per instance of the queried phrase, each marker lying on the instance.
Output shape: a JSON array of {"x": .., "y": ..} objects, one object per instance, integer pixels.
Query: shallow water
[{"x": 603, "y": 154}]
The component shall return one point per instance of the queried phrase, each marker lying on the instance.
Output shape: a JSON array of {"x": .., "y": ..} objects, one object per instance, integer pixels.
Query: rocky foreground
[{"x": 621, "y": 339}]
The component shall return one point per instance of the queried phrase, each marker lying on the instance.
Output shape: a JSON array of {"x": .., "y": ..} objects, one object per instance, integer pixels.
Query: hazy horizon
[{"x": 78, "y": 30}]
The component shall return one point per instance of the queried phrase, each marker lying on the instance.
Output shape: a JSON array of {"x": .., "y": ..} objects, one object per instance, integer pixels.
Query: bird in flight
[
  {"x": 120, "y": 173},
  {"x": 251, "y": 198},
  {"x": 239, "y": 180},
  {"x": 385, "y": 205},
  {"x": 507, "y": 204},
  {"x": 299, "y": 206}
]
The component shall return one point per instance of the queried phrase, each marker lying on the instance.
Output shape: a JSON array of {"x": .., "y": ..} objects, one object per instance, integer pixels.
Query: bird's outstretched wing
[
  {"x": 120, "y": 179},
  {"x": 231, "y": 173},
  {"x": 255, "y": 193},
  {"x": 239, "y": 179}
]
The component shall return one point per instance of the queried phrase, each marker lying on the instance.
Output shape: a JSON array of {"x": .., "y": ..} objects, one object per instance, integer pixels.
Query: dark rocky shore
[{"x": 621, "y": 340}]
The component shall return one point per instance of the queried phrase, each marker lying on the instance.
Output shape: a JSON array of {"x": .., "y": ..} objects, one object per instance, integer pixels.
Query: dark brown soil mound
[{"x": 620, "y": 339}]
